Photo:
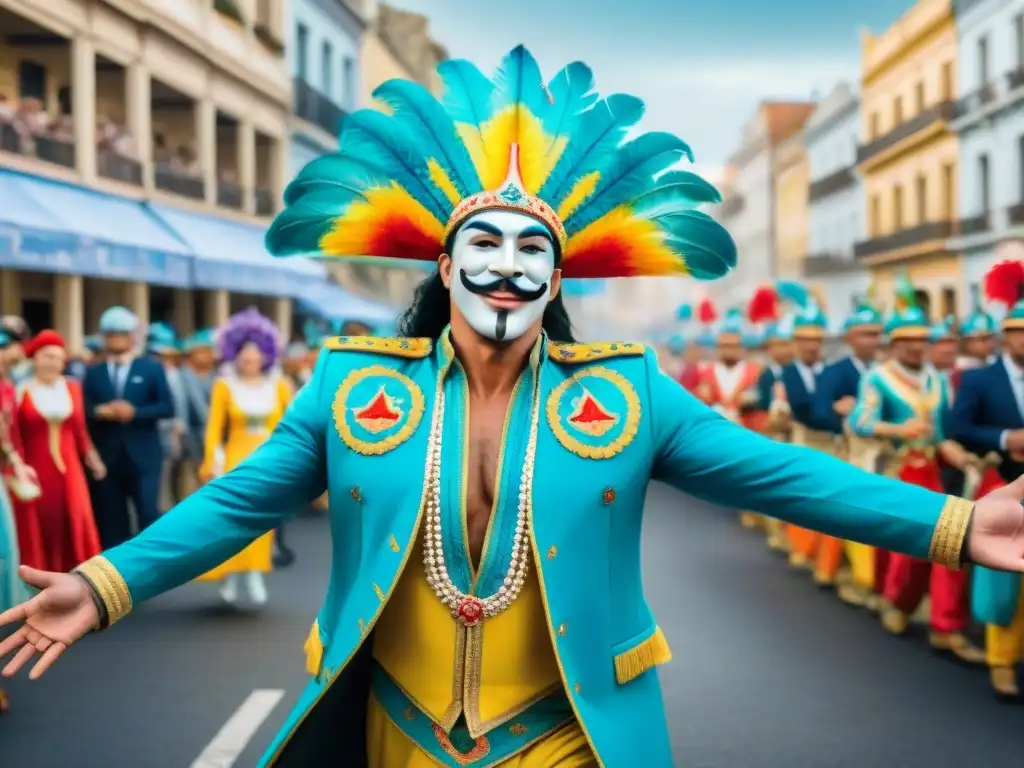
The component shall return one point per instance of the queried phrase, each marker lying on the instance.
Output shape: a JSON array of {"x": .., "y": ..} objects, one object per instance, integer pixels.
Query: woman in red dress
[{"x": 51, "y": 422}]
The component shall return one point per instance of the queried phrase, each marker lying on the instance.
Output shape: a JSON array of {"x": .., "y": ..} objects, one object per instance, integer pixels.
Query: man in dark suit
[{"x": 125, "y": 397}]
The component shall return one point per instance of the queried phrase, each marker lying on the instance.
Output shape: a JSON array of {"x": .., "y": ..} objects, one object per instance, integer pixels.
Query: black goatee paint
[{"x": 501, "y": 327}]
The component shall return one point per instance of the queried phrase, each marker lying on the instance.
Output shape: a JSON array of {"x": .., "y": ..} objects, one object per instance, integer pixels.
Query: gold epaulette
[
  {"x": 379, "y": 345},
  {"x": 573, "y": 354}
]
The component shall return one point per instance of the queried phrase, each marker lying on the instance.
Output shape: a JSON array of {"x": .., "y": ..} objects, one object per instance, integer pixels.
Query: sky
[{"x": 701, "y": 67}]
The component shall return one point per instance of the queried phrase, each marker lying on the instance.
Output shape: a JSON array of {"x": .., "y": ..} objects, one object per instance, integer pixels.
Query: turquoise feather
[
  {"x": 417, "y": 109},
  {"x": 335, "y": 172},
  {"x": 468, "y": 98},
  {"x": 794, "y": 293},
  {"x": 386, "y": 144},
  {"x": 684, "y": 312},
  {"x": 705, "y": 246},
  {"x": 299, "y": 228},
  {"x": 519, "y": 81},
  {"x": 601, "y": 129},
  {"x": 675, "y": 191},
  {"x": 629, "y": 175},
  {"x": 572, "y": 93}
]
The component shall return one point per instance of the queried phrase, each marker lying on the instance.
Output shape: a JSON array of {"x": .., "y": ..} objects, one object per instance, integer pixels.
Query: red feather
[
  {"x": 763, "y": 306},
  {"x": 706, "y": 312},
  {"x": 1004, "y": 283}
]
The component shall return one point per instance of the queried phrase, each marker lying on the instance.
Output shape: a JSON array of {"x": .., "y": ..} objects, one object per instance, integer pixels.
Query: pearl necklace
[{"x": 469, "y": 610}]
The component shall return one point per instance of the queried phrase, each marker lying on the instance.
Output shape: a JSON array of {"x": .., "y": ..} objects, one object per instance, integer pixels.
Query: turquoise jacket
[
  {"x": 887, "y": 396},
  {"x": 610, "y": 421}
]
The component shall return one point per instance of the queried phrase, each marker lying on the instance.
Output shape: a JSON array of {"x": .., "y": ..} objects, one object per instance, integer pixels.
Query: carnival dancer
[
  {"x": 978, "y": 339},
  {"x": 831, "y": 405},
  {"x": 988, "y": 418},
  {"x": 197, "y": 377},
  {"x": 537, "y": 647},
  {"x": 904, "y": 401},
  {"x": 56, "y": 444},
  {"x": 799, "y": 383},
  {"x": 246, "y": 405}
]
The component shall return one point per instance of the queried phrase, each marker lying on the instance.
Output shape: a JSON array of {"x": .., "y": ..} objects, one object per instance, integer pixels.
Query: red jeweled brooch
[{"x": 470, "y": 611}]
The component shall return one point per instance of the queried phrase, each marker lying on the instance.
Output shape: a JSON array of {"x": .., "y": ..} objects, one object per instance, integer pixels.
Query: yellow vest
[{"x": 490, "y": 672}]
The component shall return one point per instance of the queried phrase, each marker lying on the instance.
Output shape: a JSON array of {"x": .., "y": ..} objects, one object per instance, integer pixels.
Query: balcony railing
[
  {"x": 1016, "y": 213},
  {"x": 43, "y": 147},
  {"x": 312, "y": 106},
  {"x": 975, "y": 100},
  {"x": 264, "y": 202},
  {"x": 111, "y": 165},
  {"x": 975, "y": 225},
  {"x": 229, "y": 195},
  {"x": 1015, "y": 78},
  {"x": 10, "y": 141},
  {"x": 922, "y": 233},
  {"x": 942, "y": 111},
  {"x": 731, "y": 206},
  {"x": 832, "y": 183},
  {"x": 180, "y": 183}
]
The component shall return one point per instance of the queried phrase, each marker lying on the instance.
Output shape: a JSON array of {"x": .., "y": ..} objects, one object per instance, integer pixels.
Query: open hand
[
  {"x": 59, "y": 616},
  {"x": 997, "y": 529}
]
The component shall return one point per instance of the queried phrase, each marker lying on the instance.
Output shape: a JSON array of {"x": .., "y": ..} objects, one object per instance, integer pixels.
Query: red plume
[
  {"x": 706, "y": 312},
  {"x": 1004, "y": 283},
  {"x": 763, "y": 306}
]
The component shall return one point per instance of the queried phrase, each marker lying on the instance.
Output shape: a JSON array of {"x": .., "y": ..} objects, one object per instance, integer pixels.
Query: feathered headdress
[
  {"x": 908, "y": 320},
  {"x": 250, "y": 327},
  {"x": 733, "y": 328},
  {"x": 764, "y": 305},
  {"x": 979, "y": 322},
  {"x": 1004, "y": 284},
  {"x": 809, "y": 321},
  {"x": 403, "y": 182},
  {"x": 684, "y": 313},
  {"x": 707, "y": 313}
]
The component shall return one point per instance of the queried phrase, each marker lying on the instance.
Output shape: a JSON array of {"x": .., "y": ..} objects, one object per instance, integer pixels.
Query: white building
[
  {"x": 836, "y": 202},
  {"x": 990, "y": 124}
]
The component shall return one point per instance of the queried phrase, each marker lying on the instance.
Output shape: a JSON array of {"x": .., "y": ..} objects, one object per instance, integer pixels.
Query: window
[
  {"x": 348, "y": 81},
  {"x": 897, "y": 110},
  {"x": 919, "y": 96},
  {"x": 897, "y": 208},
  {"x": 1018, "y": 34},
  {"x": 875, "y": 216},
  {"x": 983, "y": 183},
  {"x": 949, "y": 302},
  {"x": 326, "y": 69},
  {"x": 983, "y": 60},
  {"x": 947, "y": 81},
  {"x": 948, "y": 191},
  {"x": 301, "y": 51},
  {"x": 31, "y": 81},
  {"x": 921, "y": 194},
  {"x": 873, "y": 126}
]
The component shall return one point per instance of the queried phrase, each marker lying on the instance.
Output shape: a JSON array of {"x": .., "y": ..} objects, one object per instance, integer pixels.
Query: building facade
[
  {"x": 143, "y": 150},
  {"x": 908, "y": 156},
  {"x": 989, "y": 121},
  {"x": 792, "y": 174},
  {"x": 835, "y": 202}
]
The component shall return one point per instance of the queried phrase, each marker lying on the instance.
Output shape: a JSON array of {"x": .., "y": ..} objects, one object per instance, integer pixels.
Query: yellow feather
[
  {"x": 579, "y": 194},
  {"x": 640, "y": 242},
  {"x": 489, "y": 148},
  {"x": 442, "y": 181},
  {"x": 355, "y": 232}
]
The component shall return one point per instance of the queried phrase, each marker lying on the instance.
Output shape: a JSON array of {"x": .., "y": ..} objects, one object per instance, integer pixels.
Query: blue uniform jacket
[
  {"x": 610, "y": 422},
  {"x": 138, "y": 441},
  {"x": 984, "y": 407},
  {"x": 799, "y": 398},
  {"x": 837, "y": 380},
  {"x": 766, "y": 385}
]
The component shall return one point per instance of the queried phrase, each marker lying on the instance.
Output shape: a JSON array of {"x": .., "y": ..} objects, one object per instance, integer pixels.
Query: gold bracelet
[
  {"x": 950, "y": 533},
  {"x": 110, "y": 586}
]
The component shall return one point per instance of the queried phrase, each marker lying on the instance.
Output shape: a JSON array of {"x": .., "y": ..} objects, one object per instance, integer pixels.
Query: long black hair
[{"x": 431, "y": 311}]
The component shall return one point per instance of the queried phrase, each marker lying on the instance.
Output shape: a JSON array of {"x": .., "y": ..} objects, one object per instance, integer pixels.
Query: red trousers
[{"x": 908, "y": 579}]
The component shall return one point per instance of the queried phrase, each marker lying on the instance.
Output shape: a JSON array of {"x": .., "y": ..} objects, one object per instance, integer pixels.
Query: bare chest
[{"x": 486, "y": 425}]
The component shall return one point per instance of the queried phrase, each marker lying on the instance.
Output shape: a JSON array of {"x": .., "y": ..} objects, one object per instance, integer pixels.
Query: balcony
[
  {"x": 264, "y": 202},
  {"x": 975, "y": 225},
  {"x": 822, "y": 264},
  {"x": 905, "y": 238},
  {"x": 941, "y": 112},
  {"x": 974, "y": 101},
  {"x": 731, "y": 206},
  {"x": 115, "y": 167},
  {"x": 229, "y": 195},
  {"x": 180, "y": 183},
  {"x": 1015, "y": 213},
  {"x": 46, "y": 148},
  {"x": 835, "y": 182},
  {"x": 313, "y": 107},
  {"x": 1015, "y": 78}
]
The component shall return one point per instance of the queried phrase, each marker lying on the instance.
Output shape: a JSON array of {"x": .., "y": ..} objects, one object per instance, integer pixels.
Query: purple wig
[{"x": 249, "y": 327}]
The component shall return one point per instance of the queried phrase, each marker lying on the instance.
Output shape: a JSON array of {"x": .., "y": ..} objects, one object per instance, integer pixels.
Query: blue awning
[
  {"x": 332, "y": 302},
  {"x": 51, "y": 226},
  {"x": 231, "y": 256}
]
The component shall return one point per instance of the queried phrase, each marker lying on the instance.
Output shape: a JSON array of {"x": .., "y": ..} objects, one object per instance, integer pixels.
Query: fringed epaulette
[
  {"x": 379, "y": 345},
  {"x": 573, "y": 354}
]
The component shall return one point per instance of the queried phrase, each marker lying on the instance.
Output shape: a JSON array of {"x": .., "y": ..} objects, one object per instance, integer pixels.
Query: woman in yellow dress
[{"x": 245, "y": 406}]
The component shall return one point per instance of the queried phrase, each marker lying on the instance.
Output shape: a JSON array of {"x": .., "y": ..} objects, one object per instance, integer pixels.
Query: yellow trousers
[
  {"x": 390, "y": 748},
  {"x": 862, "y": 564},
  {"x": 1004, "y": 646}
]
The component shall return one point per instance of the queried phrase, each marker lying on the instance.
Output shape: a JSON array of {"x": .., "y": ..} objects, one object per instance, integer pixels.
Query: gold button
[
  {"x": 561, "y": 629},
  {"x": 356, "y": 496},
  {"x": 517, "y": 729},
  {"x": 552, "y": 553},
  {"x": 608, "y": 495}
]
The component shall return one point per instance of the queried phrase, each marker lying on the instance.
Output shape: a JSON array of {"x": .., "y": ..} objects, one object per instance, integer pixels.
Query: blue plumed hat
[
  {"x": 865, "y": 316},
  {"x": 979, "y": 322},
  {"x": 732, "y": 328},
  {"x": 93, "y": 343},
  {"x": 809, "y": 320},
  {"x": 908, "y": 320},
  {"x": 161, "y": 339},
  {"x": 118, "y": 320},
  {"x": 204, "y": 339},
  {"x": 942, "y": 331}
]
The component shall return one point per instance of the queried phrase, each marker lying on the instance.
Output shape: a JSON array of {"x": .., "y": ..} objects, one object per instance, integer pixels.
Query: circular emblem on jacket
[
  {"x": 595, "y": 413},
  {"x": 376, "y": 409}
]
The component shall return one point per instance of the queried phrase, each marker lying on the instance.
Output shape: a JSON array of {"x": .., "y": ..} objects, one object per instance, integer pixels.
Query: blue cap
[
  {"x": 676, "y": 343},
  {"x": 199, "y": 340},
  {"x": 161, "y": 338},
  {"x": 942, "y": 331},
  {"x": 93, "y": 343},
  {"x": 118, "y": 320}
]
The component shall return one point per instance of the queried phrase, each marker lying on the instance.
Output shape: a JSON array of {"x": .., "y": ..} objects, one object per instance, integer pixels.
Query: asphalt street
[{"x": 768, "y": 672}]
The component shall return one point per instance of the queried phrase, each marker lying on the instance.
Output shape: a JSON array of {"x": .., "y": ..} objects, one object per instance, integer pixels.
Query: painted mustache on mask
[{"x": 502, "y": 284}]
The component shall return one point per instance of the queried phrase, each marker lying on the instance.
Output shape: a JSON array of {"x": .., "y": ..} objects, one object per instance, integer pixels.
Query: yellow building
[
  {"x": 140, "y": 136},
  {"x": 792, "y": 182},
  {"x": 908, "y": 155}
]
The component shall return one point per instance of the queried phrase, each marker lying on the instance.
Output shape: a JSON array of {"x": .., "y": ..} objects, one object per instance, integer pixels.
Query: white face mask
[{"x": 502, "y": 263}]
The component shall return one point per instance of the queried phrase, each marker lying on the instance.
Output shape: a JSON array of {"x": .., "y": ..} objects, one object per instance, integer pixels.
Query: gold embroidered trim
[
  {"x": 574, "y": 354},
  {"x": 379, "y": 592},
  {"x": 314, "y": 650},
  {"x": 950, "y": 531},
  {"x": 647, "y": 654},
  {"x": 416, "y": 407},
  {"x": 378, "y": 345},
  {"x": 629, "y": 428},
  {"x": 109, "y": 585}
]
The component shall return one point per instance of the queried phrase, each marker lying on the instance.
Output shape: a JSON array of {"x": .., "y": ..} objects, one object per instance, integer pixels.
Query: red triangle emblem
[
  {"x": 591, "y": 417},
  {"x": 378, "y": 414}
]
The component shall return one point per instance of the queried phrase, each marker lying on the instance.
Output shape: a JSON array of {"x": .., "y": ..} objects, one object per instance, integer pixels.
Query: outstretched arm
[
  {"x": 280, "y": 478},
  {"x": 710, "y": 458}
]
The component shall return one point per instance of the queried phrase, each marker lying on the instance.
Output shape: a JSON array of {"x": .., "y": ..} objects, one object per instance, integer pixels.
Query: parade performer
[
  {"x": 532, "y": 646},
  {"x": 246, "y": 405},
  {"x": 988, "y": 417},
  {"x": 903, "y": 401},
  {"x": 832, "y": 403},
  {"x": 978, "y": 337},
  {"x": 942, "y": 348},
  {"x": 56, "y": 444},
  {"x": 690, "y": 371}
]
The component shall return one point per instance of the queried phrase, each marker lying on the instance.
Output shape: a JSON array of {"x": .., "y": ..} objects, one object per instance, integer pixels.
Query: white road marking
[{"x": 233, "y": 738}]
